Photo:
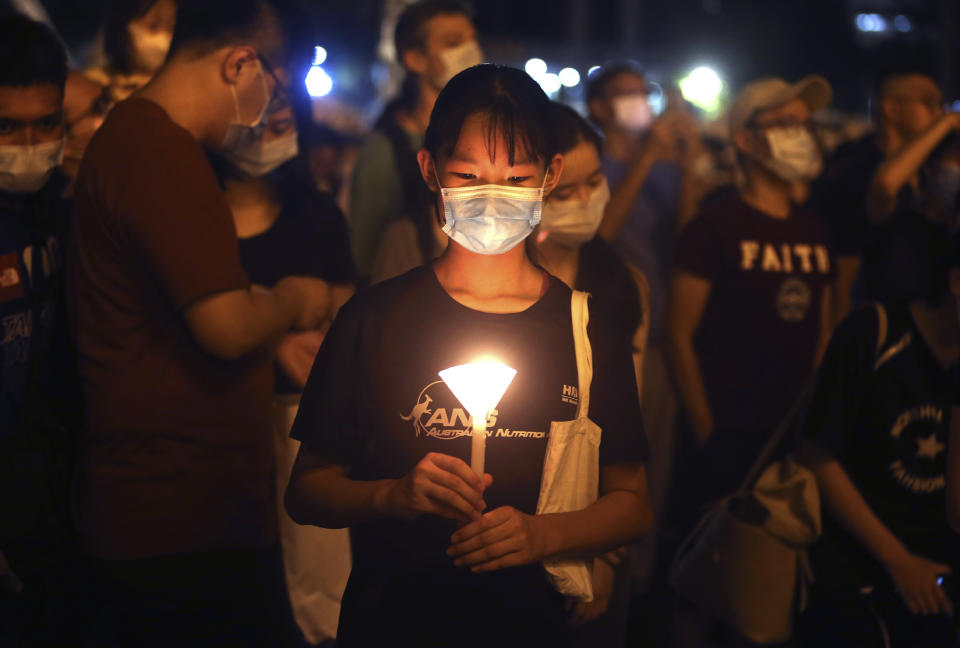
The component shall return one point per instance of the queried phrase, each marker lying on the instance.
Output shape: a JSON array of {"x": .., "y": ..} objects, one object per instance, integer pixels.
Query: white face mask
[
  {"x": 262, "y": 158},
  {"x": 632, "y": 112},
  {"x": 456, "y": 60},
  {"x": 491, "y": 219},
  {"x": 26, "y": 169},
  {"x": 241, "y": 136},
  {"x": 794, "y": 154},
  {"x": 149, "y": 48},
  {"x": 571, "y": 223}
]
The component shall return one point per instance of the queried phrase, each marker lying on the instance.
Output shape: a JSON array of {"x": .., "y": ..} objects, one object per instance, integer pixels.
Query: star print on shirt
[{"x": 929, "y": 446}]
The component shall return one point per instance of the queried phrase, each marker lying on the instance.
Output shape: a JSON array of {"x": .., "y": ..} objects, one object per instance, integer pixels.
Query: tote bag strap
[{"x": 580, "y": 312}]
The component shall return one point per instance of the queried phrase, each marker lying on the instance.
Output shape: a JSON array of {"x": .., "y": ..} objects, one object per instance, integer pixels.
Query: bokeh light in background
[
  {"x": 704, "y": 88},
  {"x": 550, "y": 82},
  {"x": 569, "y": 77},
  {"x": 319, "y": 83},
  {"x": 536, "y": 68}
]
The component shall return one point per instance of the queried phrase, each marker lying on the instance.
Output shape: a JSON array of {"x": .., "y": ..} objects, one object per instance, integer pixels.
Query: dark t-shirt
[
  {"x": 885, "y": 417},
  {"x": 308, "y": 239},
  {"x": 608, "y": 280},
  {"x": 38, "y": 399},
  {"x": 840, "y": 194},
  {"x": 33, "y": 231},
  {"x": 759, "y": 330},
  {"x": 178, "y": 452},
  {"x": 376, "y": 404}
]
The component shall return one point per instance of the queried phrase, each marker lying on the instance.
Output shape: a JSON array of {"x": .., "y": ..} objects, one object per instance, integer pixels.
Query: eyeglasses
[{"x": 282, "y": 96}]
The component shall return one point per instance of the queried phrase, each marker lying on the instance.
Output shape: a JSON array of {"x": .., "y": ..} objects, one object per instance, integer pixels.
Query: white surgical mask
[
  {"x": 26, "y": 169},
  {"x": 571, "y": 223},
  {"x": 261, "y": 158},
  {"x": 632, "y": 112},
  {"x": 794, "y": 154},
  {"x": 241, "y": 136},
  {"x": 149, "y": 48},
  {"x": 491, "y": 219},
  {"x": 457, "y": 59}
]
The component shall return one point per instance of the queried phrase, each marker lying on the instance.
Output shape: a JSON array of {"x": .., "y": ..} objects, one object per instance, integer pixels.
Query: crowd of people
[{"x": 224, "y": 412}]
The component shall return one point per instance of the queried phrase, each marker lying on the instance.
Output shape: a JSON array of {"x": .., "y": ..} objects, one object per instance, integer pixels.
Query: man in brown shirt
[{"x": 174, "y": 496}]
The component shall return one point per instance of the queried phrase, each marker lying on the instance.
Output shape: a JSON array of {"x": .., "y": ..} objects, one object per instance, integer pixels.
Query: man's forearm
[
  {"x": 624, "y": 195},
  {"x": 848, "y": 507}
]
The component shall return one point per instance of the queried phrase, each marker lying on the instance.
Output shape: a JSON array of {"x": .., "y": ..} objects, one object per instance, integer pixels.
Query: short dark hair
[
  {"x": 207, "y": 25},
  {"x": 31, "y": 53},
  {"x": 899, "y": 70},
  {"x": 570, "y": 129},
  {"x": 116, "y": 36},
  {"x": 513, "y": 103},
  {"x": 599, "y": 82},
  {"x": 410, "y": 34}
]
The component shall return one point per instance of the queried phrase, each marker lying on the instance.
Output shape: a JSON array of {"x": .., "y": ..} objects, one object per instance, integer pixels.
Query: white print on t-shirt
[
  {"x": 450, "y": 420},
  {"x": 919, "y": 425},
  {"x": 787, "y": 258},
  {"x": 794, "y": 299},
  {"x": 48, "y": 258},
  {"x": 570, "y": 395}
]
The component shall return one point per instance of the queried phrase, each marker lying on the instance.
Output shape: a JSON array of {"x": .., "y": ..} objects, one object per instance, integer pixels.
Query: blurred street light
[
  {"x": 536, "y": 68},
  {"x": 703, "y": 88},
  {"x": 569, "y": 77}
]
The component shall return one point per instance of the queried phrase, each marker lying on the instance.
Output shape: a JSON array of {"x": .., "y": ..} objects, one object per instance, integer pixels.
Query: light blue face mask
[{"x": 491, "y": 219}]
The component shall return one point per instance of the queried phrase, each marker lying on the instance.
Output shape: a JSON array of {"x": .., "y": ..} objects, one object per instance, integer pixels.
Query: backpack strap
[{"x": 580, "y": 312}]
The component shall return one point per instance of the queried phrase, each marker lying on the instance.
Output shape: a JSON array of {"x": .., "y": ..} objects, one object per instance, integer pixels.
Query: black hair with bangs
[
  {"x": 570, "y": 129},
  {"x": 514, "y": 105}
]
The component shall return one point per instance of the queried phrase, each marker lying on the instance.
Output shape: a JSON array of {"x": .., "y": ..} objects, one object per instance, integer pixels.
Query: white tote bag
[
  {"x": 571, "y": 465},
  {"x": 316, "y": 561}
]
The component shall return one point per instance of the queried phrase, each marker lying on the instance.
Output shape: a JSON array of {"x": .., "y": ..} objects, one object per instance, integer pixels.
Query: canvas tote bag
[{"x": 571, "y": 465}]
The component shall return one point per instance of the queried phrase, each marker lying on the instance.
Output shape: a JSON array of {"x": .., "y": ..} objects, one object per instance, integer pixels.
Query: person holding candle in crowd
[
  {"x": 570, "y": 249},
  {"x": 443, "y": 556}
]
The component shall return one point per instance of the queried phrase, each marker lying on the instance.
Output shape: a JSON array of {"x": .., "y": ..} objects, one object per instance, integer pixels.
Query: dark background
[{"x": 741, "y": 39}]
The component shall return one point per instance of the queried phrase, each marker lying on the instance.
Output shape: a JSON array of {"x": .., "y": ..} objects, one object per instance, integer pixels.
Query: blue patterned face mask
[{"x": 491, "y": 219}]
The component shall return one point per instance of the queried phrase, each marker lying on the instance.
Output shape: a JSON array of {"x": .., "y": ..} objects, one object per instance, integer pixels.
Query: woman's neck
[
  {"x": 562, "y": 262},
  {"x": 254, "y": 205},
  {"x": 503, "y": 283}
]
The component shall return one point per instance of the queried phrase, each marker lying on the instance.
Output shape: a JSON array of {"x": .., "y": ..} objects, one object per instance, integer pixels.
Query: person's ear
[
  {"x": 415, "y": 61},
  {"x": 428, "y": 170},
  {"x": 554, "y": 170},
  {"x": 600, "y": 110},
  {"x": 236, "y": 61},
  {"x": 745, "y": 141}
]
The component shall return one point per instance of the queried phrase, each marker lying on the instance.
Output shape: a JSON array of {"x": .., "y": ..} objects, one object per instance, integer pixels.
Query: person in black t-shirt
[
  {"x": 906, "y": 101},
  {"x": 286, "y": 228},
  {"x": 875, "y": 435},
  {"x": 443, "y": 556},
  {"x": 569, "y": 248}
]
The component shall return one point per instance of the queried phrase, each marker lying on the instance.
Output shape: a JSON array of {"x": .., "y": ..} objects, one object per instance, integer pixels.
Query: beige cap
[{"x": 771, "y": 92}]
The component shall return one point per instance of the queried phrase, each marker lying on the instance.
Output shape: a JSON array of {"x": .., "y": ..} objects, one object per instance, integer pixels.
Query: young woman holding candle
[{"x": 443, "y": 556}]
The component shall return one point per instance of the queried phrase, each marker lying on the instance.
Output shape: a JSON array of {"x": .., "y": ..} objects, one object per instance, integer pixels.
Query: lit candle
[{"x": 478, "y": 386}]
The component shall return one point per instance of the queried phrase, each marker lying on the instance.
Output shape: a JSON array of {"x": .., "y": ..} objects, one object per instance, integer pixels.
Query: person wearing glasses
[
  {"x": 751, "y": 293},
  {"x": 174, "y": 492}
]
